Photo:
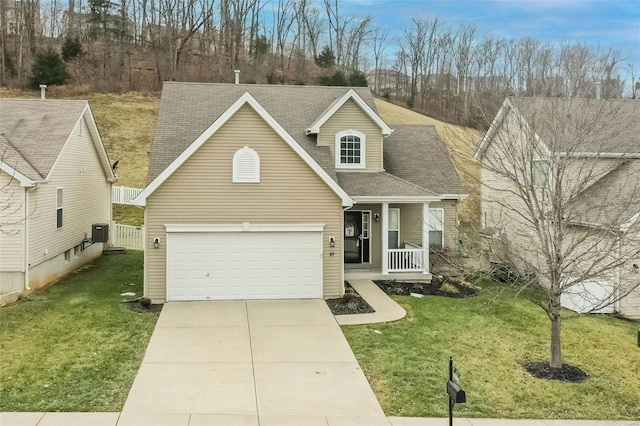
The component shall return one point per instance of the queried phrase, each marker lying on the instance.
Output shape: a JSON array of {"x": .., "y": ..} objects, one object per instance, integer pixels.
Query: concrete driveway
[{"x": 280, "y": 361}]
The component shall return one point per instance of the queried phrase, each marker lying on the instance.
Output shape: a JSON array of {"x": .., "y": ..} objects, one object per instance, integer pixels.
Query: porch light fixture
[
  {"x": 332, "y": 242},
  {"x": 156, "y": 242},
  {"x": 376, "y": 217}
]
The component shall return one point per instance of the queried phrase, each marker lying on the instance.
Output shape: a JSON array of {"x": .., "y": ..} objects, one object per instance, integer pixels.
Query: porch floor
[{"x": 358, "y": 271}]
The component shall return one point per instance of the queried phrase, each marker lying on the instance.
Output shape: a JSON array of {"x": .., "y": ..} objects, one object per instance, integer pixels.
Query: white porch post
[
  {"x": 425, "y": 237},
  {"x": 385, "y": 238}
]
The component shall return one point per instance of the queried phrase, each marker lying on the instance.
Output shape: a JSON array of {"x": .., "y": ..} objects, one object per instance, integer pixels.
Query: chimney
[
  {"x": 598, "y": 89},
  {"x": 43, "y": 92},
  {"x": 237, "y": 73}
]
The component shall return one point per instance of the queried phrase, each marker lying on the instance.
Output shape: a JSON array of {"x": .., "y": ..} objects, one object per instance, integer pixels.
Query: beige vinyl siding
[
  {"x": 86, "y": 200},
  {"x": 496, "y": 193},
  {"x": 12, "y": 210},
  {"x": 201, "y": 192},
  {"x": 450, "y": 222},
  {"x": 630, "y": 305},
  {"x": 411, "y": 222},
  {"x": 351, "y": 117}
]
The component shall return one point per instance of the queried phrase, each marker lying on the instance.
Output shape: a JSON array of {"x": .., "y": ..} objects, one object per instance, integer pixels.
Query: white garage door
[{"x": 244, "y": 265}]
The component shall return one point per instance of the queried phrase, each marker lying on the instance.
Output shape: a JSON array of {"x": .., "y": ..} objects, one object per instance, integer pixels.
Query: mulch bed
[
  {"x": 439, "y": 286},
  {"x": 350, "y": 303},
  {"x": 137, "y": 307},
  {"x": 567, "y": 373}
]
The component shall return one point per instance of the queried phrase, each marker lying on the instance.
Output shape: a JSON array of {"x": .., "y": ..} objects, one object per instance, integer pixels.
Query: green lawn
[
  {"x": 490, "y": 336},
  {"x": 80, "y": 348}
]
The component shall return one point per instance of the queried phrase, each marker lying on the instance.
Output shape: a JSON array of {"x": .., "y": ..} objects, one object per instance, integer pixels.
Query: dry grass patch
[{"x": 461, "y": 143}]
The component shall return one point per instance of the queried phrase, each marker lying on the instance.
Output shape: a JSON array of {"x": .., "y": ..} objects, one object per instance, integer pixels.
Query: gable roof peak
[{"x": 350, "y": 94}]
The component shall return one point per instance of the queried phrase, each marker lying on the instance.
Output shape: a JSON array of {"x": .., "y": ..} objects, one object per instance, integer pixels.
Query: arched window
[
  {"x": 246, "y": 166},
  {"x": 350, "y": 150}
]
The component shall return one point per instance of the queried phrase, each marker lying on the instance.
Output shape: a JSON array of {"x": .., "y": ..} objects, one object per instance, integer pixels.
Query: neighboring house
[
  {"x": 596, "y": 145},
  {"x": 258, "y": 192},
  {"x": 55, "y": 183}
]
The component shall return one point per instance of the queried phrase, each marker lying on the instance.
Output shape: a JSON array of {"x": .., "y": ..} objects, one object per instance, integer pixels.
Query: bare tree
[
  {"x": 561, "y": 201},
  {"x": 378, "y": 45}
]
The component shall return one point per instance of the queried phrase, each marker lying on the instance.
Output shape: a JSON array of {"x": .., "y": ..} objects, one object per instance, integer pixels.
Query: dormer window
[
  {"x": 246, "y": 166},
  {"x": 350, "y": 150}
]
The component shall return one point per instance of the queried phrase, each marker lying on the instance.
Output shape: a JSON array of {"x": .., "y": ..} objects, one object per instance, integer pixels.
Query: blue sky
[{"x": 609, "y": 23}]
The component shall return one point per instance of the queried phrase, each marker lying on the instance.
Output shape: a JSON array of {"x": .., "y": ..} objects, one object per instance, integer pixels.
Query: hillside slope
[{"x": 461, "y": 143}]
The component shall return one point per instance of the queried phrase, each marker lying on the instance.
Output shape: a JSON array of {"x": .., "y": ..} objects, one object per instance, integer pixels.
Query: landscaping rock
[{"x": 6, "y": 299}]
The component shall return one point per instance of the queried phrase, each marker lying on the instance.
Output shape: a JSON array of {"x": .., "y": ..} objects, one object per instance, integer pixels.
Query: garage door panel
[{"x": 244, "y": 265}]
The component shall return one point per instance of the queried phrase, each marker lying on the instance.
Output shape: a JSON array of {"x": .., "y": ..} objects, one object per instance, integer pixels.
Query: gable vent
[{"x": 246, "y": 166}]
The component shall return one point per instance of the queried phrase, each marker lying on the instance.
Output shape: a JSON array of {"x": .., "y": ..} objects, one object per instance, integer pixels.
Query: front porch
[
  {"x": 390, "y": 240},
  {"x": 354, "y": 271}
]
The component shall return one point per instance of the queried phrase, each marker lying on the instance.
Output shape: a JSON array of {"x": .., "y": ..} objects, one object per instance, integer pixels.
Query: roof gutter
[
  {"x": 614, "y": 155},
  {"x": 407, "y": 199}
]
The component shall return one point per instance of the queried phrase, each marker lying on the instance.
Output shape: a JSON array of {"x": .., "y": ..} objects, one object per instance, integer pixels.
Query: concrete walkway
[
  {"x": 120, "y": 419},
  {"x": 385, "y": 308}
]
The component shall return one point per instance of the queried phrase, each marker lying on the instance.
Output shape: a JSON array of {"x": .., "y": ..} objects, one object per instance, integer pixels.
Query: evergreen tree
[
  {"x": 71, "y": 48},
  {"x": 358, "y": 79},
  {"x": 338, "y": 78},
  {"x": 48, "y": 68},
  {"x": 326, "y": 58}
]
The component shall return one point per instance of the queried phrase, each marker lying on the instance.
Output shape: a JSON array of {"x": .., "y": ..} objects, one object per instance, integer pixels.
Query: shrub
[
  {"x": 72, "y": 48},
  {"x": 48, "y": 68}
]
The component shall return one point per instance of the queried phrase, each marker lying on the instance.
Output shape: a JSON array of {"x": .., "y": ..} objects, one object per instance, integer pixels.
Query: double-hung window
[
  {"x": 350, "y": 150},
  {"x": 58, "y": 207},
  {"x": 436, "y": 228},
  {"x": 394, "y": 228}
]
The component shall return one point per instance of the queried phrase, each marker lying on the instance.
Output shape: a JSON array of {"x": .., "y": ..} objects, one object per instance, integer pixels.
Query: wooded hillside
[{"x": 455, "y": 73}]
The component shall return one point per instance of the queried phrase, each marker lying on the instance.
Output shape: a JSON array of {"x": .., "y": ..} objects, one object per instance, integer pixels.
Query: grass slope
[
  {"x": 490, "y": 336},
  {"x": 80, "y": 349},
  {"x": 461, "y": 143}
]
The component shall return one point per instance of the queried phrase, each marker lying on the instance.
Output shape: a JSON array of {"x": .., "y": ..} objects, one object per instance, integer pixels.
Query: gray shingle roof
[
  {"x": 613, "y": 199},
  {"x": 416, "y": 154},
  {"x": 36, "y": 131},
  {"x": 188, "y": 109},
  {"x": 9, "y": 155},
  {"x": 583, "y": 125},
  {"x": 379, "y": 184}
]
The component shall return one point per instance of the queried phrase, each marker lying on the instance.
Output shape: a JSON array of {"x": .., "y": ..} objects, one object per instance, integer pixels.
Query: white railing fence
[
  {"x": 124, "y": 195},
  {"x": 131, "y": 237},
  {"x": 405, "y": 260}
]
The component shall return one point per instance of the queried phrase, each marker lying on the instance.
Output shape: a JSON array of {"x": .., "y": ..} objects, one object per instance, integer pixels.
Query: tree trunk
[{"x": 556, "y": 347}]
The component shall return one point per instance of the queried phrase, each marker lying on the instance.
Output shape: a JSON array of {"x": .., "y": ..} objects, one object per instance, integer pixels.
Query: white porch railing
[
  {"x": 124, "y": 195},
  {"x": 131, "y": 237},
  {"x": 405, "y": 260}
]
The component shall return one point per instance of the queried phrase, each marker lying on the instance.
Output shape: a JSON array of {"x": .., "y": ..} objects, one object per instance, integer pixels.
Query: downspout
[
  {"x": 616, "y": 303},
  {"x": 26, "y": 237}
]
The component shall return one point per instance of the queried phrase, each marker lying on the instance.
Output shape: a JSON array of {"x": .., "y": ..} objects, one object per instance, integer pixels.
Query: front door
[{"x": 356, "y": 236}]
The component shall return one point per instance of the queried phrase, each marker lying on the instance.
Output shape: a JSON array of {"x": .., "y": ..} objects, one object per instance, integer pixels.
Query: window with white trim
[
  {"x": 394, "y": 228},
  {"x": 436, "y": 228},
  {"x": 246, "y": 166},
  {"x": 59, "y": 207},
  {"x": 540, "y": 173},
  {"x": 350, "y": 150}
]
